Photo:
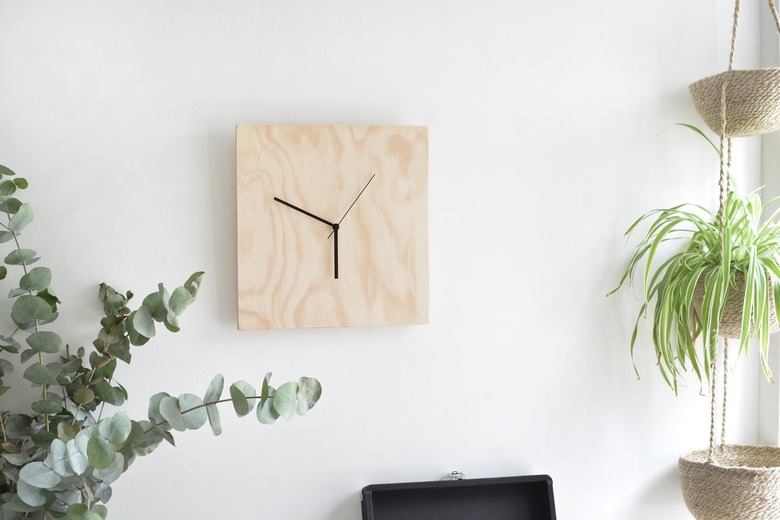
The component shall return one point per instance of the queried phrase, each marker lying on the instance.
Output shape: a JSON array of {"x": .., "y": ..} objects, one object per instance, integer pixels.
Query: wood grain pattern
[{"x": 285, "y": 259}]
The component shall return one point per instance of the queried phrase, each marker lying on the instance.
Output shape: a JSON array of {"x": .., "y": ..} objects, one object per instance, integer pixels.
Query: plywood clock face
[{"x": 332, "y": 225}]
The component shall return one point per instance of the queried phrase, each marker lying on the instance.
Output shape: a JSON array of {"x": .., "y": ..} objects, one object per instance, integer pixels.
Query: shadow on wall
[
  {"x": 347, "y": 508},
  {"x": 662, "y": 499},
  {"x": 221, "y": 151}
]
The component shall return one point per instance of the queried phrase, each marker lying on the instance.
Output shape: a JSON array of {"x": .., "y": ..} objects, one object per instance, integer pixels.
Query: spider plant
[{"x": 717, "y": 252}]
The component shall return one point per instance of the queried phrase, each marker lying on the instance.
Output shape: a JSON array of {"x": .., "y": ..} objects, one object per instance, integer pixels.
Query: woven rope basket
[
  {"x": 731, "y": 321},
  {"x": 752, "y": 101},
  {"x": 742, "y": 484}
]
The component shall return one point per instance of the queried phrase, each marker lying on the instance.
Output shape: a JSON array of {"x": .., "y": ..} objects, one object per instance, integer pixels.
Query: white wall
[{"x": 543, "y": 121}]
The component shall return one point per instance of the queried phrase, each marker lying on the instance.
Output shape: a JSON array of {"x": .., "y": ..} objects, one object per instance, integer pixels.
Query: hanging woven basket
[
  {"x": 752, "y": 101},
  {"x": 741, "y": 483},
  {"x": 752, "y": 96},
  {"x": 731, "y": 319}
]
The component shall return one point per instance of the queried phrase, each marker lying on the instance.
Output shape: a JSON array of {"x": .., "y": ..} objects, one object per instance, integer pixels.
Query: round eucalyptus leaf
[
  {"x": 6, "y": 171},
  {"x": 22, "y": 217},
  {"x": 45, "y": 341},
  {"x": 18, "y": 426},
  {"x": 100, "y": 452},
  {"x": 170, "y": 410},
  {"x": 21, "y": 257},
  {"x": 135, "y": 337},
  {"x": 111, "y": 473},
  {"x": 57, "y": 458},
  {"x": 115, "y": 429},
  {"x": 46, "y": 407},
  {"x": 286, "y": 400},
  {"x": 101, "y": 511},
  {"x": 154, "y": 410},
  {"x": 214, "y": 391},
  {"x": 29, "y": 494},
  {"x": 40, "y": 374},
  {"x": 156, "y": 304},
  {"x": 37, "y": 279},
  {"x": 3, "y": 272},
  {"x": 266, "y": 413},
  {"x": 145, "y": 437},
  {"x": 309, "y": 392},
  {"x": 10, "y": 205},
  {"x": 143, "y": 323},
  {"x": 81, "y": 512},
  {"x": 21, "y": 183},
  {"x": 192, "y": 411},
  {"x": 13, "y": 293},
  {"x": 83, "y": 395},
  {"x": 103, "y": 491},
  {"x": 7, "y": 188},
  {"x": 27, "y": 309},
  {"x": 6, "y": 367},
  {"x": 76, "y": 459},
  {"x": 240, "y": 394},
  {"x": 180, "y": 300},
  {"x": 38, "y": 475},
  {"x": 214, "y": 420}
]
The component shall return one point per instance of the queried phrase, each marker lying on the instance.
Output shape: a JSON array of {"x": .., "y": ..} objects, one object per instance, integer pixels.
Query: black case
[{"x": 504, "y": 498}]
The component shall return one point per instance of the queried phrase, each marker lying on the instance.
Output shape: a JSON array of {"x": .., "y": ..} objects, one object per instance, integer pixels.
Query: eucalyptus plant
[
  {"x": 59, "y": 460},
  {"x": 688, "y": 289}
]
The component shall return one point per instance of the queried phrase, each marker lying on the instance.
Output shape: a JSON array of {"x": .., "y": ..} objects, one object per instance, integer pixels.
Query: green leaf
[
  {"x": 38, "y": 475},
  {"x": 240, "y": 392},
  {"x": 286, "y": 400},
  {"x": 28, "y": 354},
  {"x": 309, "y": 392},
  {"x": 192, "y": 411},
  {"x": 143, "y": 323},
  {"x": 45, "y": 341},
  {"x": 45, "y": 406},
  {"x": 101, "y": 511},
  {"x": 113, "y": 302},
  {"x": 171, "y": 411},
  {"x": 180, "y": 300},
  {"x": 41, "y": 375},
  {"x": 37, "y": 279},
  {"x": 193, "y": 283},
  {"x": 100, "y": 452},
  {"x": 3, "y": 272},
  {"x": 6, "y": 171},
  {"x": 154, "y": 409},
  {"x": 82, "y": 512},
  {"x": 10, "y": 206},
  {"x": 135, "y": 337},
  {"x": 22, "y": 217},
  {"x": 214, "y": 420},
  {"x": 83, "y": 396},
  {"x": 21, "y": 257},
  {"x": 265, "y": 412},
  {"x": 105, "y": 392},
  {"x": 27, "y": 309},
  {"x": 145, "y": 437},
  {"x": 156, "y": 303},
  {"x": 214, "y": 391},
  {"x": 111, "y": 473},
  {"x": 7, "y": 188},
  {"x": 115, "y": 429},
  {"x": 21, "y": 183},
  {"x": 30, "y": 495}
]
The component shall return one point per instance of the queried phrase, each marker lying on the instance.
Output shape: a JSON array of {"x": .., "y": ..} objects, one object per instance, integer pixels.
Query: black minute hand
[{"x": 296, "y": 208}]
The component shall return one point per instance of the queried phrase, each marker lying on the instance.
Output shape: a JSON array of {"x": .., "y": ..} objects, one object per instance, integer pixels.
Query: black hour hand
[{"x": 308, "y": 214}]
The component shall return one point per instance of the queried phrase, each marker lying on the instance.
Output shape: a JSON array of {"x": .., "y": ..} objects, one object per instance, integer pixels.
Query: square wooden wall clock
[{"x": 332, "y": 225}]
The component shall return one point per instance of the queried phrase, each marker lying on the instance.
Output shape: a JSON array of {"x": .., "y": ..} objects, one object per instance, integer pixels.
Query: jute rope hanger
[{"x": 724, "y": 189}]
